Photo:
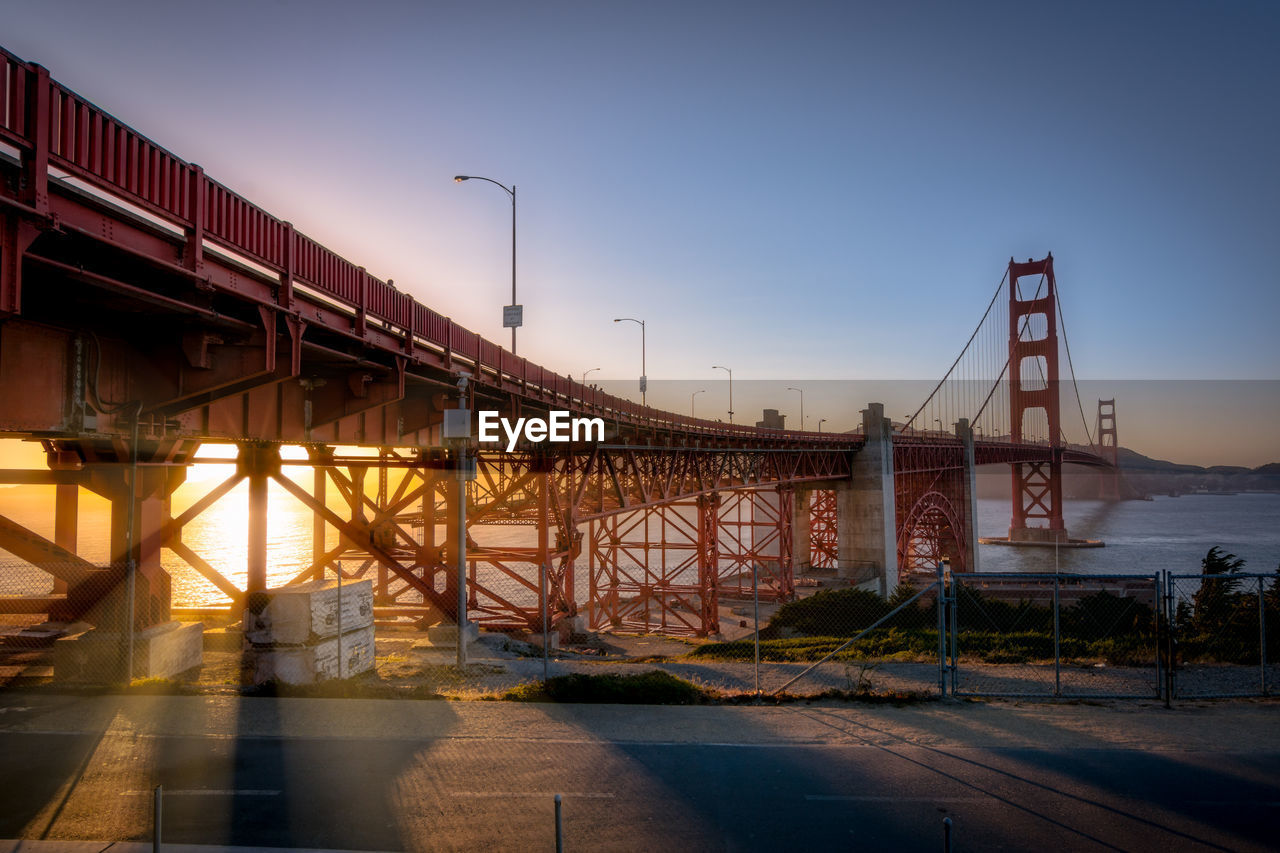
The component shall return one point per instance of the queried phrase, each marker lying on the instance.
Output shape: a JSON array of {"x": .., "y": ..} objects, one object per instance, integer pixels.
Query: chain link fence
[
  {"x": 1153, "y": 636},
  {"x": 1224, "y": 634},
  {"x": 1026, "y": 635},
  {"x": 74, "y": 630}
]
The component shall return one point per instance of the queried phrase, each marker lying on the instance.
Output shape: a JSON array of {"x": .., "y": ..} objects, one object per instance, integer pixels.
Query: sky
[{"x": 801, "y": 191}]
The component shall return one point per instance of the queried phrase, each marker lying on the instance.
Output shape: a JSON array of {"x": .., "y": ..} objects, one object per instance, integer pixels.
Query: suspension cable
[
  {"x": 976, "y": 329},
  {"x": 1062, "y": 322}
]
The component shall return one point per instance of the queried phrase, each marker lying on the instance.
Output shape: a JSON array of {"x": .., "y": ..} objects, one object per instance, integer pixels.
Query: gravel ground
[{"x": 406, "y": 663}]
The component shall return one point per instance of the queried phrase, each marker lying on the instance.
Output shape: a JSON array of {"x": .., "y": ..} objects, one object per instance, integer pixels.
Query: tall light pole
[
  {"x": 691, "y": 396},
  {"x": 585, "y": 372},
  {"x": 820, "y": 423},
  {"x": 513, "y": 314},
  {"x": 801, "y": 390},
  {"x": 643, "y": 381},
  {"x": 730, "y": 372}
]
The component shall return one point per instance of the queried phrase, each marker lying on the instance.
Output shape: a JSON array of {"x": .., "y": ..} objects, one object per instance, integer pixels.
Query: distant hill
[
  {"x": 1159, "y": 476},
  {"x": 1133, "y": 460},
  {"x": 1146, "y": 476}
]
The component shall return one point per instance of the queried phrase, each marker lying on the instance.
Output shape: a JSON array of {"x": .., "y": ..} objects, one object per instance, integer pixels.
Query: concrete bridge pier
[
  {"x": 964, "y": 431},
  {"x": 801, "y": 523},
  {"x": 865, "y": 506}
]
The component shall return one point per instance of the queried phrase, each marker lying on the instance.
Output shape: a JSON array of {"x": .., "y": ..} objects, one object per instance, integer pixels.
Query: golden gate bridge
[{"x": 146, "y": 309}]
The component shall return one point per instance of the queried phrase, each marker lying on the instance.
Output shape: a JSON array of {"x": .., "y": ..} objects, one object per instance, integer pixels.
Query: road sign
[
  {"x": 512, "y": 316},
  {"x": 643, "y": 383}
]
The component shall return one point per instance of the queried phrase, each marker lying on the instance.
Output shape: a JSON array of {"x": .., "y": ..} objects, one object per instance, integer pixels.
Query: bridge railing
[{"x": 52, "y": 125}]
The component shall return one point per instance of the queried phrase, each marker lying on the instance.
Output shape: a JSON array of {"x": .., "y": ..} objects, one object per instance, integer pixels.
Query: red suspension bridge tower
[{"x": 1033, "y": 390}]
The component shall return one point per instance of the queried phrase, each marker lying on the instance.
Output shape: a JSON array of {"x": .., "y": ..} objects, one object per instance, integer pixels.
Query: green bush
[
  {"x": 846, "y": 612},
  {"x": 646, "y": 688}
]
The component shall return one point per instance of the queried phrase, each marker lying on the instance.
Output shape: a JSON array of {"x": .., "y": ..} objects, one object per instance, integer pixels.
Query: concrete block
[
  {"x": 319, "y": 661},
  {"x": 307, "y": 612},
  {"x": 445, "y": 635},
  {"x": 161, "y": 651},
  {"x": 229, "y": 639}
]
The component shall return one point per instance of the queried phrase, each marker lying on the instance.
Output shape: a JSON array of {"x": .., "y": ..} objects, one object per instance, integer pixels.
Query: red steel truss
[
  {"x": 823, "y": 529},
  {"x": 930, "y": 490}
]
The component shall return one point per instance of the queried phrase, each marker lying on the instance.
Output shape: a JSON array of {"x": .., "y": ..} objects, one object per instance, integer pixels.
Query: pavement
[{"x": 76, "y": 774}]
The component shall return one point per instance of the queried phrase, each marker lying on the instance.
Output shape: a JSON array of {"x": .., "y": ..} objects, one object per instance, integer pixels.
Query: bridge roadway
[{"x": 409, "y": 775}]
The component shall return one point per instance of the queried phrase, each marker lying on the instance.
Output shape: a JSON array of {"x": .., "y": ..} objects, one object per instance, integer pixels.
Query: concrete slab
[
  {"x": 308, "y": 611},
  {"x": 445, "y": 635},
  {"x": 334, "y": 657},
  {"x": 97, "y": 656}
]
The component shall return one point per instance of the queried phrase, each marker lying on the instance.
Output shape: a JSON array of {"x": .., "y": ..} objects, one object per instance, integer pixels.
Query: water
[
  {"x": 1144, "y": 536},
  {"x": 1140, "y": 536}
]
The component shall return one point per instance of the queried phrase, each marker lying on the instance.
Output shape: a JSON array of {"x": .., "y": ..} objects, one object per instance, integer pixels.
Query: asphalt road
[{"x": 389, "y": 776}]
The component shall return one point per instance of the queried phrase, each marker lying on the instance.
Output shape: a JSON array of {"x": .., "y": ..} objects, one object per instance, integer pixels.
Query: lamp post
[
  {"x": 801, "y": 390},
  {"x": 585, "y": 372},
  {"x": 643, "y": 381},
  {"x": 691, "y": 396},
  {"x": 820, "y": 423},
  {"x": 513, "y": 314},
  {"x": 730, "y": 372}
]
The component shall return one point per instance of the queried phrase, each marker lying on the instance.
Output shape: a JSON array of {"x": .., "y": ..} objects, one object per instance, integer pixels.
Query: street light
[
  {"x": 585, "y": 372},
  {"x": 789, "y": 388},
  {"x": 820, "y": 423},
  {"x": 643, "y": 381},
  {"x": 513, "y": 314},
  {"x": 691, "y": 396},
  {"x": 730, "y": 372}
]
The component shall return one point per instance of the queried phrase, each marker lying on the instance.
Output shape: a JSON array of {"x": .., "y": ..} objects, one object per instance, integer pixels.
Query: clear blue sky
[{"x": 800, "y": 190}]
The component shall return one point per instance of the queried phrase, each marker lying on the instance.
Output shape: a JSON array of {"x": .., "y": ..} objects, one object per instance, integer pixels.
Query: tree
[
  {"x": 1272, "y": 596},
  {"x": 1218, "y": 588}
]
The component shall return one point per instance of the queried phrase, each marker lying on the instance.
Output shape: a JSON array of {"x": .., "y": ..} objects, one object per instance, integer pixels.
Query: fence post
[
  {"x": 559, "y": 829},
  {"x": 755, "y": 597},
  {"x": 1160, "y": 662},
  {"x": 1262, "y": 637},
  {"x": 1170, "y": 674},
  {"x": 157, "y": 817},
  {"x": 338, "y": 566},
  {"x": 546, "y": 640},
  {"x": 953, "y": 600},
  {"x": 942, "y": 635},
  {"x": 1057, "y": 656}
]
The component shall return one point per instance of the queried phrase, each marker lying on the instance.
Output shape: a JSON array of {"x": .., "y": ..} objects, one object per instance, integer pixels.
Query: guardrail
[{"x": 52, "y": 126}]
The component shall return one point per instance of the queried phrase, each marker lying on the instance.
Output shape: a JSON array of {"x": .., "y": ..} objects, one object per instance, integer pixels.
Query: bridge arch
[{"x": 931, "y": 531}]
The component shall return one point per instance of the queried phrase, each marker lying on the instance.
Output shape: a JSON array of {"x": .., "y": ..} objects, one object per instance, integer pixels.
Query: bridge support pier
[
  {"x": 139, "y": 515},
  {"x": 257, "y": 463},
  {"x": 964, "y": 431},
  {"x": 868, "y": 541},
  {"x": 801, "y": 528}
]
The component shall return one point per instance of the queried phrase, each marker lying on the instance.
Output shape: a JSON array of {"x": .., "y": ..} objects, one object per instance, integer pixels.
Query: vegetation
[
  {"x": 646, "y": 688},
  {"x": 1218, "y": 622},
  {"x": 1221, "y": 621},
  {"x": 922, "y": 645}
]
